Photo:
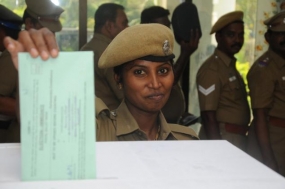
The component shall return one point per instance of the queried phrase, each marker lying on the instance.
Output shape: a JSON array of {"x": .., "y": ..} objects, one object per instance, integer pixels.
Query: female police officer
[{"x": 142, "y": 59}]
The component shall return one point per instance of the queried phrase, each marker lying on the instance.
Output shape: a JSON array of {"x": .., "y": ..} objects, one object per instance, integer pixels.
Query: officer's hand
[
  {"x": 192, "y": 45},
  {"x": 37, "y": 42}
]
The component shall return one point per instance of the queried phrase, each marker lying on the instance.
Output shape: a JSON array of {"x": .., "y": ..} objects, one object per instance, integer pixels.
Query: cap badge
[{"x": 166, "y": 47}]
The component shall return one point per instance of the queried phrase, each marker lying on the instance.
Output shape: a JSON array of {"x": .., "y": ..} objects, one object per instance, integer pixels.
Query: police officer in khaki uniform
[
  {"x": 143, "y": 71},
  {"x": 10, "y": 25},
  {"x": 266, "y": 80},
  {"x": 38, "y": 14},
  {"x": 174, "y": 110},
  {"x": 110, "y": 19},
  {"x": 222, "y": 96},
  {"x": 44, "y": 13}
]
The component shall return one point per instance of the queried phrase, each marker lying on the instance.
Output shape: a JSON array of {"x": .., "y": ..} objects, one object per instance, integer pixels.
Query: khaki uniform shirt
[
  {"x": 221, "y": 89},
  {"x": 266, "y": 80},
  {"x": 120, "y": 125},
  {"x": 8, "y": 88},
  {"x": 105, "y": 85},
  {"x": 8, "y": 76}
]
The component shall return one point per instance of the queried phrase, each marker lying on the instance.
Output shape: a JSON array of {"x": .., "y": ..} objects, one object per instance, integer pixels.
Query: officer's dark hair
[
  {"x": 148, "y": 15},
  {"x": 118, "y": 70},
  {"x": 105, "y": 12},
  {"x": 13, "y": 33},
  {"x": 237, "y": 21},
  {"x": 27, "y": 15}
]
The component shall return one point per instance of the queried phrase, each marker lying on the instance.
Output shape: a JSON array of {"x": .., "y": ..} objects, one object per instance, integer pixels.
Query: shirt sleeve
[
  {"x": 261, "y": 87},
  {"x": 208, "y": 85}
]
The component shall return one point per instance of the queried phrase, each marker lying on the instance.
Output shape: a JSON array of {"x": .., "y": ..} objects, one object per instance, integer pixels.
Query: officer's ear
[
  {"x": 28, "y": 23},
  {"x": 267, "y": 36},
  {"x": 218, "y": 37},
  {"x": 118, "y": 80},
  {"x": 109, "y": 26}
]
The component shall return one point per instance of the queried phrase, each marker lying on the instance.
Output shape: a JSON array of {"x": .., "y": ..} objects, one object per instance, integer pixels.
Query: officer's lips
[
  {"x": 236, "y": 46},
  {"x": 156, "y": 96}
]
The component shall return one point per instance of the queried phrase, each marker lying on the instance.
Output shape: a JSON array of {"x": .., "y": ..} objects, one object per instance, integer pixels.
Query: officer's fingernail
[
  {"x": 54, "y": 53},
  {"x": 34, "y": 52},
  {"x": 44, "y": 55}
]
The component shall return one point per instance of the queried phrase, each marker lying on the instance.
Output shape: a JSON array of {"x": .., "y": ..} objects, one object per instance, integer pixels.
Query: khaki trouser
[
  {"x": 253, "y": 147},
  {"x": 239, "y": 141},
  {"x": 277, "y": 142}
]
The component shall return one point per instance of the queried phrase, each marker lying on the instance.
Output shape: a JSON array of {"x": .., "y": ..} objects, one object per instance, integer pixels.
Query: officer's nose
[{"x": 154, "y": 81}]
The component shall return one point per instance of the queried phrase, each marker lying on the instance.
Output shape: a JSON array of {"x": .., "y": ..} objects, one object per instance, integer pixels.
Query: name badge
[{"x": 232, "y": 78}]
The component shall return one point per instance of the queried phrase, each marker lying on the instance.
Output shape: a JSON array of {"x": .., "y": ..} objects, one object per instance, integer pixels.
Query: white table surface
[{"x": 158, "y": 164}]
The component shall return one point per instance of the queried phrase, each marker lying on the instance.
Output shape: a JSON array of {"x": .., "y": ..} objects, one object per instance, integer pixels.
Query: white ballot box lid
[{"x": 156, "y": 164}]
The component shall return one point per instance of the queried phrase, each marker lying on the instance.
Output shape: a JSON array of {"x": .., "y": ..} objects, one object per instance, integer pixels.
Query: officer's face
[
  {"x": 276, "y": 41},
  {"x": 230, "y": 39},
  {"x": 120, "y": 24},
  {"x": 147, "y": 85}
]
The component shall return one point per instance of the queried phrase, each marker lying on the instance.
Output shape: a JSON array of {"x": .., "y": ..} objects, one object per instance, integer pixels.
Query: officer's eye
[
  {"x": 241, "y": 35},
  {"x": 230, "y": 34},
  {"x": 163, "y": 71},
  {"x": 139, "y": 72},
  {"x": 280, "y": 34}
]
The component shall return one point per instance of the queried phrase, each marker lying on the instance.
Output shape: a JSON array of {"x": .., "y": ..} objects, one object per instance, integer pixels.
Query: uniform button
[{"x": 216, "y": 56}]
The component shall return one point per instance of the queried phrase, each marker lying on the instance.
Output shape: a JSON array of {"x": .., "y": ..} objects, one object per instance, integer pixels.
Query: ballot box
[{"x": 155, "y": 164}]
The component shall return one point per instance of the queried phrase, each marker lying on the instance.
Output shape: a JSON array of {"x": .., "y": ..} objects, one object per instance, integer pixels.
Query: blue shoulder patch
[{"x": 264, "y": 62}]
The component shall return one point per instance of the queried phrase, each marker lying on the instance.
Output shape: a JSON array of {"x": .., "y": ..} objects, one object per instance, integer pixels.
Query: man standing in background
[
  {"x": 38, "y": 14},
  {"x": 266, "y": 80},
  {"x": 223, "y": 102},
  {"x": 10, "y": 25},
  {"x": 110, "y": 19}
]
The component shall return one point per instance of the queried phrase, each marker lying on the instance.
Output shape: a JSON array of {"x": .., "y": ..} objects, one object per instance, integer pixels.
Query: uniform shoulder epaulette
[
  {"x": 175, "y": 128},
  {"x": 263, "y": 62},
  {"x": 101, "y": 107},
  {"x": 210, "y": 63}
]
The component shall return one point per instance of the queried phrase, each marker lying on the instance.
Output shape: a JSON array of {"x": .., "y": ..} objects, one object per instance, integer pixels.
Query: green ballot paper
[{"x": 57, "y": 110}]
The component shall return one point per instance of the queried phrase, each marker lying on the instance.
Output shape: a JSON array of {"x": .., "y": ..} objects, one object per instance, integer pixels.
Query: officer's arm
[
  {"x": 210, "y": 124},
  {"x": 186, "y": 49},
  {"x": 262, "y": 133},
  {"x": 7, "y": 106}
]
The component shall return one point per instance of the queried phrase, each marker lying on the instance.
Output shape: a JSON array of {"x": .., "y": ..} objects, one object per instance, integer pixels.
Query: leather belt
[
  {"x": 236, "y": 129},
  {"x": 4, "y": 124},
  {"x": 278, "y": 122}
]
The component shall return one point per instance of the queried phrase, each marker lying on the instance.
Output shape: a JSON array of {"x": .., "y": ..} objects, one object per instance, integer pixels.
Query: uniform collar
[
  {"x": 101, "y": 107},
  {"x": 126, "y": 123},
  {"x": 280, "y": 62},
  {"x": 225, "y": 58},
  {"x": 5, "y": 53},
  {"x": 101, "y": 37}
]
